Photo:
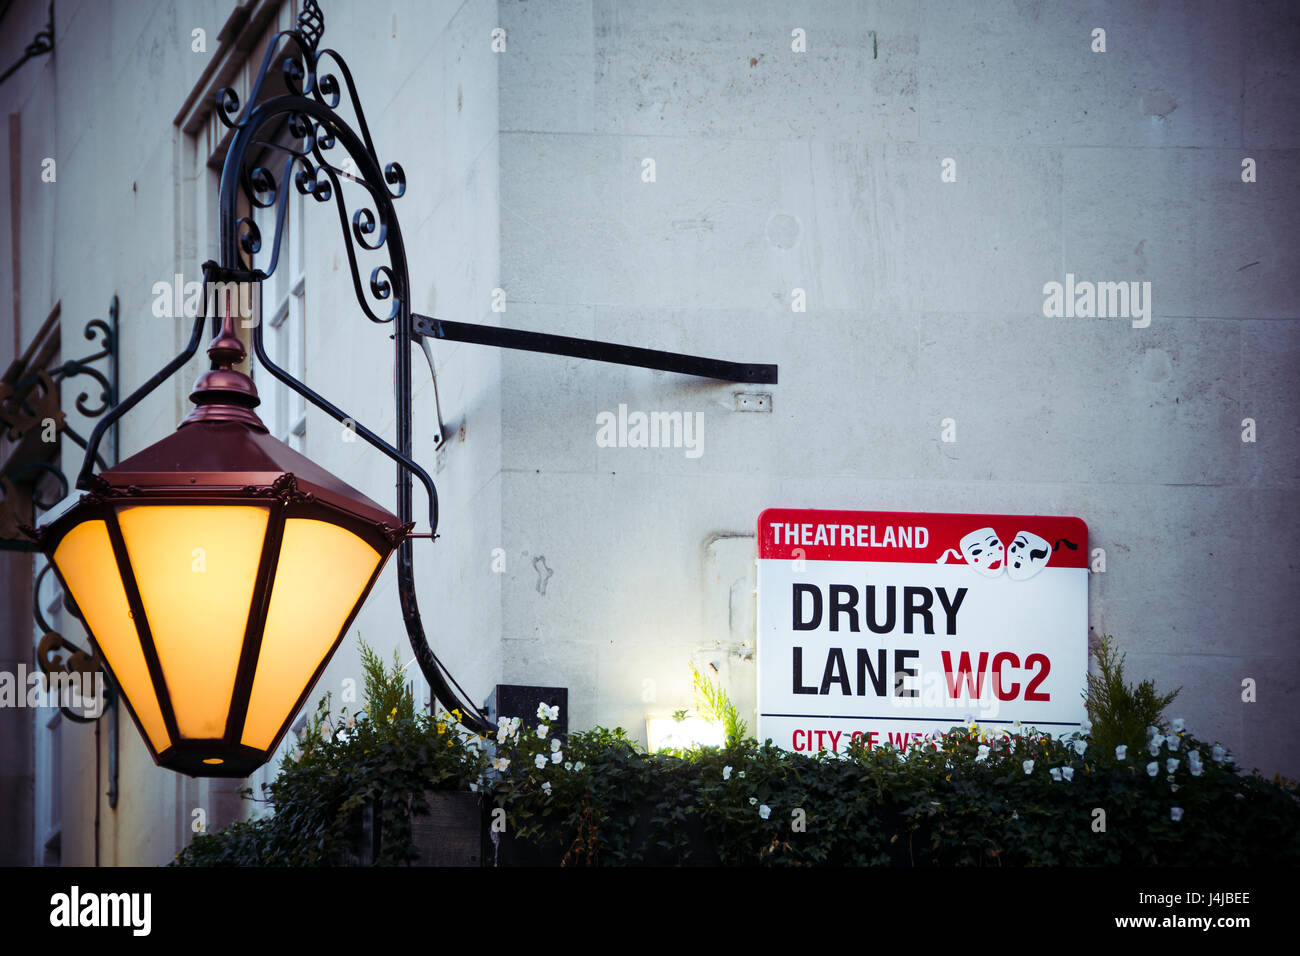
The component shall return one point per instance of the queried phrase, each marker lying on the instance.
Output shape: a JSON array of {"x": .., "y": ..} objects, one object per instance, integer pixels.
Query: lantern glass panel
[
  {"x": 322, "y": 573},
  {"x": 85, "y": 561},
  {"x": 195, "y": 567}
]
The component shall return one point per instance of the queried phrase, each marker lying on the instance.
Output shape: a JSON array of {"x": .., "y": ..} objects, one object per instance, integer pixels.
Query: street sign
[{"x": 896, "y": 626}]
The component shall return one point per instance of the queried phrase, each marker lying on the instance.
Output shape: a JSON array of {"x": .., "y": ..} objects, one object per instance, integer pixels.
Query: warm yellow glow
[
  {"x": 323, "y": 570},
  {"x": 85, "y": 560},
  {"x": 195, "y": 566}
]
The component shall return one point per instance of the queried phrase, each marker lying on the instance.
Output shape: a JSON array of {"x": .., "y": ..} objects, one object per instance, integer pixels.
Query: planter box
[{"x": 450, "y": 834}]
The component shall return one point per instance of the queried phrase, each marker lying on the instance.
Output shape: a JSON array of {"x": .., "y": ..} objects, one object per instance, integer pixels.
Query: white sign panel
[{"x": 897, "y": 626}]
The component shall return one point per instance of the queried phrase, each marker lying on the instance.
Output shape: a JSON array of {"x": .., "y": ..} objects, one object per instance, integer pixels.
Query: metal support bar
[{"x": 720, "y": 369}]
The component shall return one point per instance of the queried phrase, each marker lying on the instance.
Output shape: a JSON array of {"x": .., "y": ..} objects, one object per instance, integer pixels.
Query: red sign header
[{"x": 986, "y": 542}]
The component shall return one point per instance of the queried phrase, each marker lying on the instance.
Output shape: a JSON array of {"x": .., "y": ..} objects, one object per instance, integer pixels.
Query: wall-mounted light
[{"x": 217, "y": 571}]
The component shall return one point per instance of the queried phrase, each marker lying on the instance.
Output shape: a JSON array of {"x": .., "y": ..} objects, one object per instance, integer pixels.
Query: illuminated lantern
[{"x": 217, "y": 572}]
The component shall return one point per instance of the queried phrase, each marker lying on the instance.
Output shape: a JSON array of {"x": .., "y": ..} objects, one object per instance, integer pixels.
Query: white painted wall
[{"x": 775, "y": 171}]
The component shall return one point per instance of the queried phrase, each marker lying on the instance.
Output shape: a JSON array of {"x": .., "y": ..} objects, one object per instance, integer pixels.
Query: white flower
[
  {"x": 1196, "y": 769},
  {"x": 753, "y": 800},
  {"x": 1056, "y": 774},
  {"x": 1067, "y": 773},
  {"x": 741, "y": 774},
  {"x": 1085, "y": 726},
  {"x": 1029, "y": 766},
  {"x": 541, "y": 731},
  {"x": 983, "y": 753},
  {"x": 1172, "y": 764},
  {"x": 1121, "y": 752},
  {"x": 555, "y": 744},
  {"x": 557, "y": 757},
  {"x": 1179, "y": 724},
  {"x": 568, "y": 765},
  {"x": 1153, "y": 768},
  {"x": 1153, "y": 746},
  {"x": 726, "y": 773},
  {"x": 765, "y": 811},
  {"x": 1152, "y": 731},
  {"x": 1080, "y": 746},
  {"x": 1216, "y": 753},
  {"x": 547, "y": 786},
  {"x": 502, "y": 734},
  {"x": 514, "y": 724},
  {"x": 549, "y": 713},
  {"x": 501, "y": 764},
  {"x": 1175, "y": 813},
  {"x": 579, "y": 765},
  {"x": 539, "y": 761},
  {"x": 543, "y": 711}
]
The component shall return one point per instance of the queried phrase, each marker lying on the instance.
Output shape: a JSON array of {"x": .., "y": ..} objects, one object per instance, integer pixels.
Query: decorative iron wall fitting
[
  {"x": 321, "y": 153},
  {"x": 596, "y": 351}
]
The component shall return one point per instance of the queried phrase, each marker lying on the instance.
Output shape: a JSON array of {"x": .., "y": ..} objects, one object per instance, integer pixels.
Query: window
[{"x": 284, "y": 300}]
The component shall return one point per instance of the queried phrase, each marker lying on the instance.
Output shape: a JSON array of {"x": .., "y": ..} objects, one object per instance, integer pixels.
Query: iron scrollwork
[{"x": 301, "y": 138}]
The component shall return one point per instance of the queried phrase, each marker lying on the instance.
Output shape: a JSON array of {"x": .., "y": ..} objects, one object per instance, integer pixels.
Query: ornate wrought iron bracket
[
  {"x": 41, "y": 44},
  {"x": 300, "y": 137}
]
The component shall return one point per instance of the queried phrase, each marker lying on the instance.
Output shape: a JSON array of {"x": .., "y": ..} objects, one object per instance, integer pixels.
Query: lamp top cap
[{"x": 223, "y": 393}]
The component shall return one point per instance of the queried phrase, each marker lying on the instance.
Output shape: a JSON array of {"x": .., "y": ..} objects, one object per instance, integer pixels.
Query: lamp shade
[{"x": 217, "y": 571}]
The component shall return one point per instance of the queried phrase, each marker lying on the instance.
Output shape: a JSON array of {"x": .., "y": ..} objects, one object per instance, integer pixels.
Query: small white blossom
[
  {"x": 983, "y": 753},
  {"x": 1153, "y": 768},
  {"x": 1216, "y": 753},
  {"x": 501, "y": 764},
  {"x": 557, "y": 757},
  {"x": 753, "y": 800},
  {"x": 542, "y": 730},
  {"x": 547, "y": 786},
  {"x": 543, "y": 711},
  {"x": 579, "y": 765},
  {"x": 1029, "y": 766},
  {"x": 1067, "y": 773},
  {"x": 1179, "y": 724},
  {"x": 1086, "y": 726},
  {"x": 765, "y": 811},
  {"x": 539, "y": 761},
  {"x": 568, "y": 765},
  {"x": 1175, "y": 813},
  {"x": 726, "y": 773},
  {"x": 1056, "y": 774},
  {"x": 740, "y": 774},
  {"x": 555, "y": 744},
  {"x": 1080, "y": 746},
  {"x": 1152, "y": 731},
  {"x": 1153, "y": 746},
  {"x": 1121, "y": 752},
  {"x": 1172, "y": 764}
]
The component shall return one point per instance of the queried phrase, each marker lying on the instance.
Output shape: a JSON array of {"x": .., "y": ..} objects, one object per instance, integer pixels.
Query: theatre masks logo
[{"x": 1027, "y": 554}]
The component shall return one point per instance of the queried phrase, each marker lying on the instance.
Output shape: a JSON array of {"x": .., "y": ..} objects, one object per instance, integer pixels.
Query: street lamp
[{"x": 217, "y": 570}]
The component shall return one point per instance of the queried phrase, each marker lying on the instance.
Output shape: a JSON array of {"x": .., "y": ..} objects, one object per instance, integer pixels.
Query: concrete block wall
[{"x": 821, "y": 171}]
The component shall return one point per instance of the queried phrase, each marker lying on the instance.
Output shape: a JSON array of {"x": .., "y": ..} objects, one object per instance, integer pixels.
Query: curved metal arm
[
  {"x": 84, "y": 477},
  {"x": 393, "y": 280}
]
